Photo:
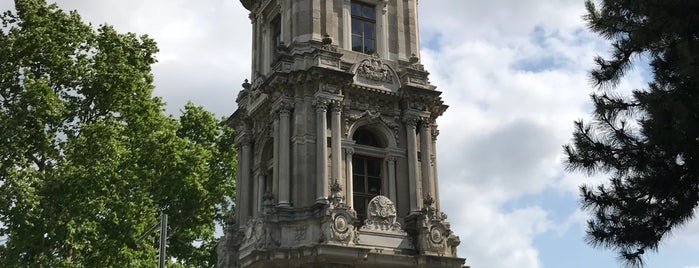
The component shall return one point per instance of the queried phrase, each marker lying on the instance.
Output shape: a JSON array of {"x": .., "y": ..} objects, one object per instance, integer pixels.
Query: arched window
[{"x": 367, "y": 169}]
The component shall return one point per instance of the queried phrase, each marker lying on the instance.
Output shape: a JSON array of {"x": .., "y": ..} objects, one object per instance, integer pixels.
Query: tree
[
  {"x": 648, "y": 141},
  {"x": 87, "y": 156}
]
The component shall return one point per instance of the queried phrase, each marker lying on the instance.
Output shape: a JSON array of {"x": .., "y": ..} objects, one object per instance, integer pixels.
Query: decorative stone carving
[
  {"x": 382, "y": 216},
  {"x": 257, "y": 235},
  {"x": 321, "y": 103},
  {"x": 338, "y": 225},
  {"x": 328, "y": 43},
  {"x": 330, "y": 88},
  {"x": 268, "y": 203},
  {"x": 284, "y": 106},
  {"x": 374, "y": 69},
  {"x": 411, "y": 120},
  {"x": 435, "y": 132},
  {"x": 353, "y": 117},
  {"x": 258, "y": 81},
  {"x": 434, "y": 235},
  {"x": 228, "y": 244},
  {"x": 244, "y": 139},
  {"x": 300, "y": 234},
  {"x": 242, "y": 95}
]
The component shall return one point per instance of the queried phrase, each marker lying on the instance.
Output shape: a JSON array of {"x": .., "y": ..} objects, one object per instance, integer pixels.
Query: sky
[{"x": 515, "y": 76}]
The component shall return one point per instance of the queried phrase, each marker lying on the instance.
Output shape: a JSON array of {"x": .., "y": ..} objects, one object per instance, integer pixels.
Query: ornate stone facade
[{"x": 337, "y": 162}]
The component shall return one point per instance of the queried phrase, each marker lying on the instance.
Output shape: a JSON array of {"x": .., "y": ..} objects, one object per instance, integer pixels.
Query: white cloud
[{"x": 489, "y": 237}]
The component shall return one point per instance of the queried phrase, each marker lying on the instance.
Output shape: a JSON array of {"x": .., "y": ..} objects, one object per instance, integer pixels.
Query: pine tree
[{"x": 648, "y": 141}]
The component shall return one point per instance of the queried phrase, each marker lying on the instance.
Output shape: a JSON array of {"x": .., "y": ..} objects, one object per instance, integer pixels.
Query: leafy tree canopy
[
  {"x": 88, "y": 157},
  {"x": 647, "y": 142}
]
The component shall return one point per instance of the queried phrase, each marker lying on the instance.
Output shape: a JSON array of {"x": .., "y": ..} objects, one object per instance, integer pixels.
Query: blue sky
[{"x": 514, "y": 74}]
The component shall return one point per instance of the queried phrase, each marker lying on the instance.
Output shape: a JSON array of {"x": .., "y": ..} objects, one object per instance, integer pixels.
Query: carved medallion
[{"x": 382, "y": 216}]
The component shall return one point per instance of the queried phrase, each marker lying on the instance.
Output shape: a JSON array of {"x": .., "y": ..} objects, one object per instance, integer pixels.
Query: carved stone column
[
  {"x": 260, "y": 187},
  {"x": 349, "y": 189},
  {"x": 336, "y": 133},
  {"x": 238, "y": 174},
  {"x": 321, "y": 105},
  {"x": 415, "y": 185},
  {"x": 346, "y": 25},
  {"x": 275, "y": 164},
  {"x": 392, "y": 178},
  {"x": 245, "y": 180},
  {"x": 435, "y": 178},
  {"x": 284, "y": 153},
  {"x": 425, "y": 158}
]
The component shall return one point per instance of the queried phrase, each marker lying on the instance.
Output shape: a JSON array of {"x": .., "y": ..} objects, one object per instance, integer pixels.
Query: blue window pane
[
  {"x": 369, "y": 46},
  {"x": 368, "y": 30},
  {"x": 356, "y": 9},
  {"x": 356, "y": 27},
  {"x": 357, "y": 44},
  {"x": 368, "y": 12}
]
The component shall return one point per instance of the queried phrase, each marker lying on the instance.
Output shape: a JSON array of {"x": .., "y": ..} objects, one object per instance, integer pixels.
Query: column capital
[
  {"x": 435, "y": 132},
  {"x": 321, "y": 103},
  {"x": 336, "y": 105},
  {"x": 411, "y": 120},
  {"x": 425, "y": 121},
  {"x": 391, "y": 158},
  {"x": 243, "y": 139},
  {"x": 349, "y": 151},
  {"x": 283, "y": 106}
]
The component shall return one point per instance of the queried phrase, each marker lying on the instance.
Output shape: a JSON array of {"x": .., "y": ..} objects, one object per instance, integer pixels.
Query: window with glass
[
  {"x": 366, "y": 183},
  {"x": 363, "y": 28},
  {"x": 276, "y": 37},
  {"x": 367, "y": 171}
]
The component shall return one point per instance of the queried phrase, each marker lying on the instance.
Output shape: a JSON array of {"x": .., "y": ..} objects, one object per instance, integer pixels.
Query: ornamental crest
[
  {"x": 382, "y": 216},
  {"x": 374, "y": 69}
]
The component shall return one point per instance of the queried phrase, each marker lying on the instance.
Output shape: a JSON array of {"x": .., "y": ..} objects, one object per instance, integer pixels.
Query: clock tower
[{"x": 336, "y": 141}]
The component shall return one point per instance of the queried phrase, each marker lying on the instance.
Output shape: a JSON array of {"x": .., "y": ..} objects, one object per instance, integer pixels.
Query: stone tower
[{"x": 336, "y": 141}]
